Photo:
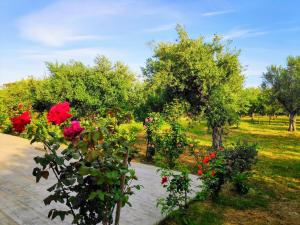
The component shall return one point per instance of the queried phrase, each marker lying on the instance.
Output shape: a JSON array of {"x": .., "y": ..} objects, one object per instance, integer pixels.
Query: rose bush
[
  {"x": 212, "y": 170},
  {"x": 231, "y": 164},
  {"x": 178, "y": 187},
  {"x": 170, "y": 144},
  {"x": 92, "y": 175}
]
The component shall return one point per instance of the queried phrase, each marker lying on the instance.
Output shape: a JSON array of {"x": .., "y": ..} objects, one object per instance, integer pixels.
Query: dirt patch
[{"x": 279, "y": 213}]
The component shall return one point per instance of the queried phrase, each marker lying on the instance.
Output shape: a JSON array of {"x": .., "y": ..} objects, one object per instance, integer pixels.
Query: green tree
[
  {"x": 23, "y": 91},
  {"x": 89, "y": 89},
  {"x": 284, "y": 84},
  {"x": 206, "y": 75},
  {"x": 269, "y": 104},
  {"x": 249, "y": 100}
]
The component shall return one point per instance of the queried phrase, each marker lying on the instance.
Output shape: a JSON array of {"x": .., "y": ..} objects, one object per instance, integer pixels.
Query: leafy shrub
[
  {"x": 240, "y": 159},
  {"x": 92, "y": 175},
  {"x": 226, "y": 165},
  {"x": 240, "y": 181},
  {"x": 170, "y": 145},
  {"x": 178, "y": 186},
  {"x": 152, "y": 123},
  {"x": 212, "y": 171}
]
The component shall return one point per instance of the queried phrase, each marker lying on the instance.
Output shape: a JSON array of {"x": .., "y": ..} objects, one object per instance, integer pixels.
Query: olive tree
[
  {"x": 89, "y": 89},
  {"x": 284, "y": 84},
  {"x": 207, "y": 75}
]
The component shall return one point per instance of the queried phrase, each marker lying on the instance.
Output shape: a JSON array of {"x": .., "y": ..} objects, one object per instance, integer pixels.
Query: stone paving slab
[{"x": 21, "y": 199}]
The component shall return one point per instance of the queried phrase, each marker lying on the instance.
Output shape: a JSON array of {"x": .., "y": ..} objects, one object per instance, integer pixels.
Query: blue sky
[{"x": 36, "y": 31}]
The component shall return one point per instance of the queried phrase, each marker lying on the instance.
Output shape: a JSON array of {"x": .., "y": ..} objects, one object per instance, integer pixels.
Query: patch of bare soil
[{"x": 279, "y": 213}]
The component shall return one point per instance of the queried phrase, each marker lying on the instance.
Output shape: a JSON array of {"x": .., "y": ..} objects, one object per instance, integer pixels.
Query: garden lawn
[{"x": 275, "y": 194}]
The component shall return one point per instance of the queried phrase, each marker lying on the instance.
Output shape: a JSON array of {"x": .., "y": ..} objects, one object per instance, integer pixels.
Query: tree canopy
[
  {"x": 284, "y": 84},
  {"x": 89, "y": 89},
  {"x": 207, "y": 75}
]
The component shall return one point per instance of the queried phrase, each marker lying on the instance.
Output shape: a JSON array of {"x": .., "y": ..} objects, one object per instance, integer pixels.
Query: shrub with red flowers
[
  {"x": 178, "y": 187},
  {"x": 170, "y": 145},
  {"x": 226, "y": 165},
  {"x": 19, "y": 123},
  {"x": 211, "y": 171},
  {"x": 93, "y": 179}
]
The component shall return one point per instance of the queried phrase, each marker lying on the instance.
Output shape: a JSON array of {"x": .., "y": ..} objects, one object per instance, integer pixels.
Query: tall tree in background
[
  {"x": 284, "y": 84},
  {"x": 249, "y": 100},
  {"x": 206, "y": 75},
  {"x": 269, "y": 104}
]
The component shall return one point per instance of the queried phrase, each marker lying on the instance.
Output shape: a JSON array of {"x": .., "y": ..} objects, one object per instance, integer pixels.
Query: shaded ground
[{"x": 21, "y": 199}]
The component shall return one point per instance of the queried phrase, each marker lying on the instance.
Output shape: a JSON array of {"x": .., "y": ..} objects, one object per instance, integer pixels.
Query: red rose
[
  {"x": 206, "y": 159},
  {"x": 71, "y": 132},
  {"x": 213, "y": 155},
  {"x": 199, "y": 166},
  {"x": 213, "y": 173},
  {"x": 21, "y": 121},
  {"x": 59, "y": 113},
  {"x": 164, "y": 179},
  {"x": 199, "y": 172}
]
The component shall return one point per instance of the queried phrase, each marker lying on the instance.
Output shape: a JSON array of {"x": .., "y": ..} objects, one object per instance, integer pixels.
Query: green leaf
[
  {"x": 92, "y": 196},
  {"x": 101, "y": 195},
  {"x": 83, "y": 170}
]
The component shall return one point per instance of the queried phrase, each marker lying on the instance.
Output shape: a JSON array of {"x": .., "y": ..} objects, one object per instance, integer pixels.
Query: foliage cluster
[
  {"x": 231, "y": 164},
  {"x": 93, "y": 178}
]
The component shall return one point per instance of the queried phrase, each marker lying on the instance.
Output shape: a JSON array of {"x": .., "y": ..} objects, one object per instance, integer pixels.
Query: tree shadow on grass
[
  {"x": 288, "y": 168},
  {"x": 198, "y": 213}
]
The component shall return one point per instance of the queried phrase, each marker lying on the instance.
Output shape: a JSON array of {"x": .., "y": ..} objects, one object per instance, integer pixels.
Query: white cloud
[
  {"x": 83, "y": 54},
  {"x": 216, "y": 13},
  {"x": 243, "y": 33},
  {"x": 68, "y": 21},
  {"x": 160, "y": 28}
]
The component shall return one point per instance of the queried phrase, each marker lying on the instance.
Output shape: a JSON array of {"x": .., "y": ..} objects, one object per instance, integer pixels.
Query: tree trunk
[
  {"x": 292, "y": 121},
  {"x": 270, "y": 117},
  {"x": 217, "y": 137},
  {"x": 252, "y": 117}
]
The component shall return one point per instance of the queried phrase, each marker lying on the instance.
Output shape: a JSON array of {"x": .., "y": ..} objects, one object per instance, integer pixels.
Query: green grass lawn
[{"x": 275, "y": 194}]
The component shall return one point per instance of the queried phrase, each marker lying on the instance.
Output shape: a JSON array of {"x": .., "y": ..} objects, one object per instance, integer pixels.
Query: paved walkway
[{"x": 21, "y": 199}]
